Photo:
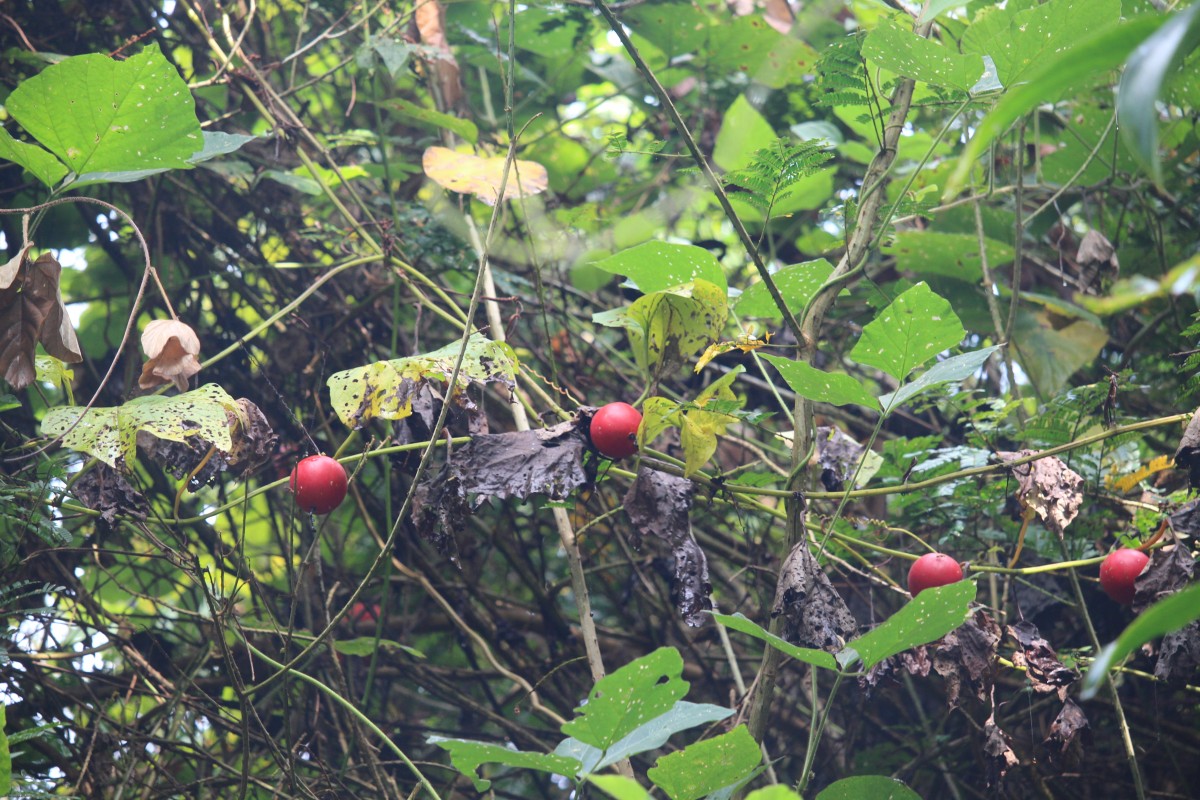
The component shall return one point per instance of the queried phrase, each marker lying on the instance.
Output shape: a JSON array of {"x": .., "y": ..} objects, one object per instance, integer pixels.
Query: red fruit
[
  {"x": 319, "y": 483},
  {"x": 1118, "y": 572},
  {"x": 363, "y": 612},
  {"x": 932, "y": 569},
  {"x": 614, "y": 430}
]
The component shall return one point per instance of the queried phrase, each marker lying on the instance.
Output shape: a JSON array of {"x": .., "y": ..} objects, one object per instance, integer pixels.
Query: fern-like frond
[
  {"x": 841, "y": 75},
  {"x": 774, "y": 170}
]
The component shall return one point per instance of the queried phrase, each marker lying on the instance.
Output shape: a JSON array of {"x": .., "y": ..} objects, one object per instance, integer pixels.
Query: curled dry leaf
[
  {"x": 1070, "y": 722},
  {"x": 967, "y": 656},
  {"x": 469, "y": 174},
  {"x": 430, "y": 17},
  {"x": 1049, "y": 487},
  {"x": 997, "y": 746},
  {"x": 1170, "y": 570},
  {"x": 171, "y": 348},
  {"x": 658, "y": 505},
  {"x": 816, "y": 615},
  {"x": 1045, "y": 671},
  {"x": 32, "y": 312},
  {"x": 104, "y": 489},
  {"x": 1187, "y": 456}
]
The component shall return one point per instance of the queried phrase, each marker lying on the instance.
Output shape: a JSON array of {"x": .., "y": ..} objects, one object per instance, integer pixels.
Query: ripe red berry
[
  {"x": 614, "y": 430},
  {"x": 319, "y": 483},
  {"x": 932, "y": 569},
  {"x": 1118, "y": 572}
]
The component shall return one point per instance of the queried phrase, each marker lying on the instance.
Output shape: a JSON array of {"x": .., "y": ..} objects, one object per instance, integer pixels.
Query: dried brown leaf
[
  {"x": 1049, "y": 487},
  {"x": 659, "y": 505},
  {"x": 815, "y": 614},
  {"x": 105, "y": 489},
  {"x": 171, "y": 348},
  {"x": 1070, "y": 722},
  {"x": 1045, "y": 671},
  {"x": 997, "y": 746},
  {"x": 430, "y": 17},
  {"x": 1187, "y": 456},
  {"x": 967, "y": 656},
  {"x": 32, "y": 311}
]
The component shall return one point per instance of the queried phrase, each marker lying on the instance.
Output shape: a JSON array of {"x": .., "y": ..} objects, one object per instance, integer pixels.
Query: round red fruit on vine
[
  {"x": 1118, "y": 572},
  {"x": 614, "y": 430},
  {"x": 319, "y": 483},
  {"x": 932, "y": 569}
]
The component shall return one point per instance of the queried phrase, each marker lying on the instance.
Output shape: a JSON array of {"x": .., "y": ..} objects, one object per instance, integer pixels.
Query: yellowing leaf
[
  {"x": 746, "y": 343},
  {"x": 469, "y": 174},
  {"x": 1128, "y": 482}
]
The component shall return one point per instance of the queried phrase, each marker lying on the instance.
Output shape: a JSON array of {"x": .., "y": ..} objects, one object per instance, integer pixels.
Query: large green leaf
[
  {"x": 649, "y": 736},
  {"x": 738, "y": 622},
  {"x": 467, "y": 756},
  {"x": 951, "y": 255},
  {"x": 110, "y": 434},
  {"x": 1089, "y": 57},
  {"x": 655, "y": 266},
  {"x": 836, "y": 388},
  {"x": 385, "y": 389},
  {"x": 797, "y": 284},
  {"x": 1167, "y": 615},
  {"x": 955, "y": 368},
  {"x": 1052, "y": 347},
  {"x": 868, "y": 787},
  {"x": 101, "y": 115},
  {"x": 897, "y": 49},
  {"x": 743, "y": 132},
  {"x": 41, "y": 164},
  {"x": 707, "y": 765},
  {"x": 914, "y": 328},
  {"x": 620, "y": 787},
  {"x": 1141, "y": 84},
  {"x": 929, "y": 616},
  {"x": 628, "y": 698}
]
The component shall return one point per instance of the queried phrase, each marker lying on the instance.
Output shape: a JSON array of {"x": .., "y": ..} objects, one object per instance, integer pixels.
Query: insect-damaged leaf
[
  {"x": 104, "y": 489},
  {"x": 967, "y": 656},
  {"x": 253, "y": 444},
  {"x": 32, "y": 311},
  {"x": 518, "y": 464},
  {"x": 815, "y": 614},
  {"x": 704, "y": 767},
  {"x": 997, "y": 746},
  {"x": 1049, "y": 487},
  {"x": 623, "y": 701},
  {"x": 386, "y": 389},
  {"x": 110, "y": 434},
  {"x": 658, "y": 504}
]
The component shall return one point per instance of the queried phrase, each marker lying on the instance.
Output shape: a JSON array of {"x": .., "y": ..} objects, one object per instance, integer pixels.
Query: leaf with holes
[
  {"x": 110, "y": 434},
  {"x": 386, "y": 389},
  {"x": 707, "y": 765},
  {"x": 914, "y": 328},
  {"x": 100, "y": 115}
]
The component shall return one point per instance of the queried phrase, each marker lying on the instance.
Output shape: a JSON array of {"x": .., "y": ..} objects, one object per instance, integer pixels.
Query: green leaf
[
  {"x": 934, "y": 8},
  {"x": 366, "y": 645},
  {"x": 386, "y": 389},
  {"x": 817, "y": 658},
  {"x": 743, "y": 132},
  {"x": 467, "y": 756},
  {"x": 101, "y": 115},
  {"x": 797, "y": 284},
  {"x": 956, "y": 368},
  {"x": 1097, "y": 53},
  {"x": 706, "y": 766},
  {"x": 927, "y": 617},
  {"x": 40, "y": 164},
  {"x": 620, "y": 787},
  {"x": 1141, "y": 85},
  {"x": 1052, "y": 347},
  {"x": 5, "y": 757},
  {"x": 110, "y": 434},
  {"x": 867, "y": 787},
  {"x": 823, "y": 387},
  {"x": 625, "y": 700},
  {"x": 1131, "y": 292},
  {"x": 899, "y": 50},
  {"x": 777, "y": 792},
  {"x": 389, "y": 50},
  {"x": 656, "y": 266},
  {"x": 914, "y": 328},
  {"x": 650, "y": 736},
  {"x": 950, "y": 255},
  {"x": 434, "y": 119},
  {"x": 1167, "y": 615}
]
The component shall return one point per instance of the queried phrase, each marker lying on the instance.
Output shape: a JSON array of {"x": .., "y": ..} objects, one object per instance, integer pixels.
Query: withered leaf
[
  {"x": 1179, "y": 655},
  {"x": 32, "y": 311},
  {"x": 815, "y": 614},
  {"x": 1185, "y": 520},
  {"x": 659, "y": 505},
  {"x": 997, "y": 746},
  {"x": 1070, "y": 722},
  {"x": 253, "y": 444},
  {"x": 1187, "y": 456},
  {"x": 105, "y": 489},
  {"x": 1045, "y": 671},
  {"x": 838, "y": 454},
  {"x": 967, "y": 656},
  {"x": 171, "y": 349},
  {"x": 431, "y": 25},
  {"x": 501, "y": 465},
  {"x": 1049, "y": 487},
  {"x": 1170, "y": 569}
]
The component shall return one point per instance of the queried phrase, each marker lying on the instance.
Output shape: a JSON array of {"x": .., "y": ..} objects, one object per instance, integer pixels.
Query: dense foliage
[{"x": 881, "y": 280}]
